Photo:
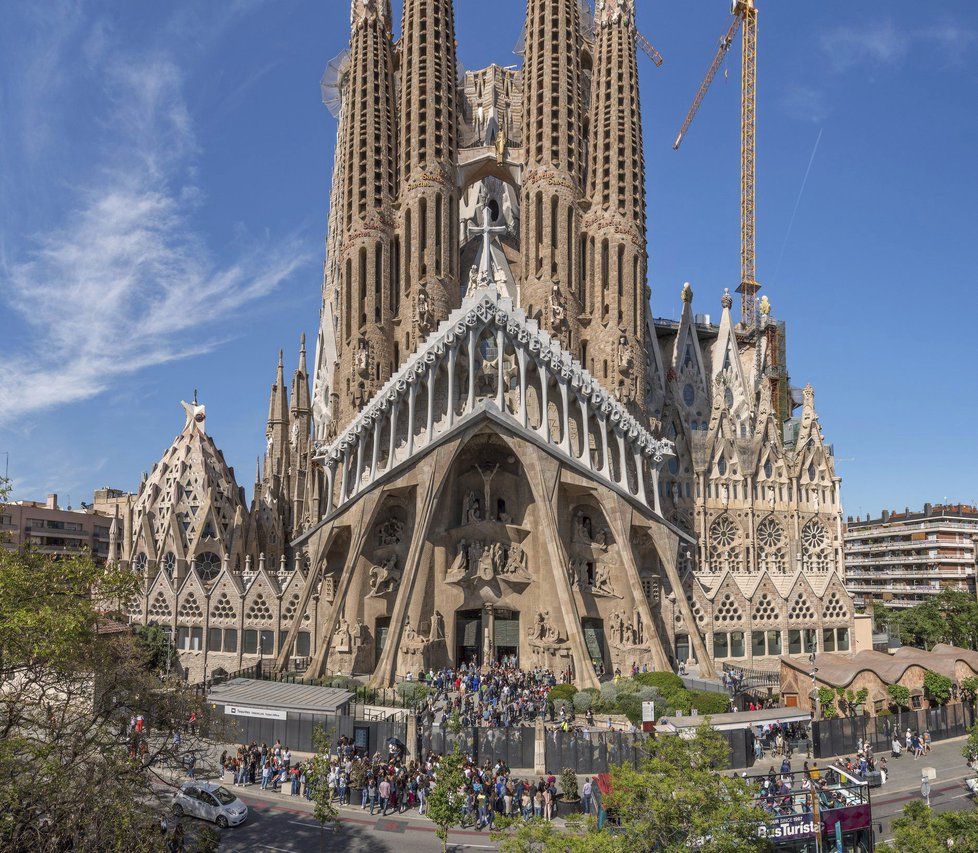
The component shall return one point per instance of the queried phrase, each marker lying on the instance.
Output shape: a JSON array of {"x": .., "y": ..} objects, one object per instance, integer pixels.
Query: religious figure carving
[
  {"x": 558, "y": 315},
  {"x": 542, "y": 630},
  {"x": 390, "y": 532},
  {"x": 359, "y": 633},
  {"x": 582, "y": 530},
  {"x": 343, "y": 640},
  {"x": 361, "y": 358},
  {"x": 602, "y": 582},
  {"x": 460, "y": 565},
  {"x": 627, "y": 633},
  {"x": 500, "y": 145},
  {"x": 577, "y": 572},
  {"x": 384, "y": 578},
  {"x": 626, "y": 356},
  {"x": 425, "y": 317},
  {"x": 437, "y": 631},
  {"x": 516, "y": 561},
  {"x": 472, "y": 509}
]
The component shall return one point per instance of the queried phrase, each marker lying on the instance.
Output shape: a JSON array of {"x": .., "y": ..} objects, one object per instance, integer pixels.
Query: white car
[{"x": 209, "y": 802}]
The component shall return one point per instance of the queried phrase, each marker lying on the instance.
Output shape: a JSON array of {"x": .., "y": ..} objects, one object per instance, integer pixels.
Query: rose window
[
  {"x": 813, "y": 536},
  {"x": 769, "y": 533},
  {"x": 724, "y": 532}
]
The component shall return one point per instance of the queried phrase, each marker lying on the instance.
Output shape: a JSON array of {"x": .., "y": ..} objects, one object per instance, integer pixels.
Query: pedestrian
[
  {"x": 385, "y": 795},
  {"x": 586, "y": 796}
]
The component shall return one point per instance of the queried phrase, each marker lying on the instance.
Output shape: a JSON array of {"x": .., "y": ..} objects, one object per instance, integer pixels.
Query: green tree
[
  {"x": 156, "y": 646},
  {"x": 826, "y": 701},
  {"x": 899, "y": 695},
  {"x": 950, "y": 617},
  {"x": 937, "y": 687},
  {"x": 923, "y": 831},
  {"x": 444, "y": 801},
  {"x": 969, "y": 689},
  {"x": 73, "y": 679},
  {"x": 317, "y": 774},
  {"x": 970, "y": 748}
]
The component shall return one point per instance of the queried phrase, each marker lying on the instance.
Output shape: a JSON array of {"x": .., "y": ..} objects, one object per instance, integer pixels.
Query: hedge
[
  {"x": 664, "y": 682},
  {"x": 707, "y": 702},
  {"x": 562, "y": 691},
  {"x": 583, "y": 700}
]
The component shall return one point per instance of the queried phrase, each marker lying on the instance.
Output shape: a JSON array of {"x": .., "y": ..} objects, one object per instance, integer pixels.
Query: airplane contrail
[{"x": 794, "y": 212}]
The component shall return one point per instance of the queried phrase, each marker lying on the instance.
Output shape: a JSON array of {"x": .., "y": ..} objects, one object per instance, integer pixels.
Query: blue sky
[{"x": 164, "y": 178}]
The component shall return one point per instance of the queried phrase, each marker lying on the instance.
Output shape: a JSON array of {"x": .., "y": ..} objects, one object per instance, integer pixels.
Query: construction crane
[
  {"x": 745, "y": 17},
  {"x": 646, "y": 46}
]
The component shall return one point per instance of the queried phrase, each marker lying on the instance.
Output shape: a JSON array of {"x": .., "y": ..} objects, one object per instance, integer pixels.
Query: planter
[{"x": 566, "y": 808}]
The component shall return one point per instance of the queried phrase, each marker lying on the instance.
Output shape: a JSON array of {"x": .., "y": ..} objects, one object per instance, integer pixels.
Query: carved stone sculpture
[
  {"x": 390, "y": 532},
  {"x": 472, "y": 509},
  {"x": 343, "y": 639},
  {"x": 384, "y": 578}
]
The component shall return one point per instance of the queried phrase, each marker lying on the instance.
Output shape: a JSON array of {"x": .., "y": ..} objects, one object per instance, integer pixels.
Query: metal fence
[
  {"x": 841, "y": 736},
  {"x": 514, "y": 746},
  {"x": 593, "y": 752},
  {"x": 296, "y": 731}
]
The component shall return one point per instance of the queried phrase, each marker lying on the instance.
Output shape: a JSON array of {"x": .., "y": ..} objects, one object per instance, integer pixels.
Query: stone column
[{"x": 540, "y": 749}]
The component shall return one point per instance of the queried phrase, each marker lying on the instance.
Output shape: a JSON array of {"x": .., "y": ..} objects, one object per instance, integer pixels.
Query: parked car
[{"x": 209, "y": 802}]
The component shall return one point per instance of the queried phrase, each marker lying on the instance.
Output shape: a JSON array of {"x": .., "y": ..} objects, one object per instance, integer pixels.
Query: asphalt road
[{"x": 287, "y": 830}]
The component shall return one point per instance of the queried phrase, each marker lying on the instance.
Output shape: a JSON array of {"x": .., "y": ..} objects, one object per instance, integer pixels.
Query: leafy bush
[
  {"x": 628, "y": 686},
  {"x": 567, "y": 706},
  {"x": 583, "y": 700},
  {"x": 568, "y": 785},
  {"x": 899, "y": 695},
  {"x": 707, "y": 702},
  {"x": 649, "y": 694},
  {"x": 665, "y": 682},
  {"x": 631, "y": 706},
  {"x": 562, "y": 691},
  {"x": 609, "y": 692},
  {"x": 937, "y": 687},
  {"x": 344, "y": 682},
  {"x": 677, "y": 700},
  {"x": 412, "y": 691}
]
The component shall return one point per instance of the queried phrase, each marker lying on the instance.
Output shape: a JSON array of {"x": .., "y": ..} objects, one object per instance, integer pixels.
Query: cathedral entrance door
[
  {"x": 468, "y": 637},
  {"x": 594, "y": 641},
  {"x": 506, "y": 639}
]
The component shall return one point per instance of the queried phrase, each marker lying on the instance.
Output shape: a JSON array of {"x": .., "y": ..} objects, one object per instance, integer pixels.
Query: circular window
[
  {"x": 140, "y": 562},
  {"x": 689, "y": 394},
  {"x": 769, "y": 533},
  {"x": 724, "y": 532},
  {"x": 208, "y": 565},
  {"x": 813, "y": 536}
]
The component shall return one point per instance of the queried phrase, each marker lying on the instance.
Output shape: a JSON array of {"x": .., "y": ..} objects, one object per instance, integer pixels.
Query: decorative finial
[
  {"x": 195, "y": 397},
  {"x": 687, "y": 293},
  {"x": 280, "y": 362},
  {"x": 726, "y": 300},
  {"x": 765, "y": 306}
]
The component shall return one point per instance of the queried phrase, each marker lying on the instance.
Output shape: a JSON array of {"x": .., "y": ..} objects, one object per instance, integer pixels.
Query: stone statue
[
  {"x": 472, "y": 510},
  {"x": 460, "y": 565},
  {"x": 343, "y": 643},
  {"x": 425, "y": 318},
  {"x": 617, "y": 628},
  {"x": 626, "y": 358},
  {"x": 542, "y": 629},
  {"x": 601, "y": 539},
  {"x": 361, "y": 359},
  {"x": 384, "y": 578},
  {"x": 602, "y": 581},
  {"x": 516, "y": 560},
  {"x": 500, "y": 145},
  {"x": 390, "y": 532},
  {"x": 437, "y": 631}
]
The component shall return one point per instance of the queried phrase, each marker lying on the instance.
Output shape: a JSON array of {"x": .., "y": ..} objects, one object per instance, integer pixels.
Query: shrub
[
  {"x": 649, "y": 694},
  {"x": 609, "y": 692},
  {"x": 412, "y": 691},
  {"x": 583, "y": 700},
  {"x": 706, "y": 702},
  {"x": 344, "y": 682},
  {"x": 678, "y": 700},
  {"x": 567, "y": 706},
  {"x": 628, "y": 686},
  {"x": 899, "y": 695},
  {"x": 631, "y": 706},
  {"x": 562, "y": 691},
  {"x": 937, "y": 687},
  {"x": 568, "y": 785},
  {"x": 665, "y": 682}
]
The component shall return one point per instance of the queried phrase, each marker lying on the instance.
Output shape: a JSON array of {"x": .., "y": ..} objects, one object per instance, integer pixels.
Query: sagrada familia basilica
[{"x": 500, "y": 449}]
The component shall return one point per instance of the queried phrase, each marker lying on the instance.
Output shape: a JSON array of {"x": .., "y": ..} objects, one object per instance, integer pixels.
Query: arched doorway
[{"x": 468, "y": 637}]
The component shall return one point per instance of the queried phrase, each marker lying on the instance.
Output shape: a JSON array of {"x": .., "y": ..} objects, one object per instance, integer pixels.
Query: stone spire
[
  {"x": 426, "y": 249},
  {"x": 553, "y": 144},
  {"x": 615, "y": 224},
  {"x": 364, "y": 338},
  {"x": 277, "y": 430}
]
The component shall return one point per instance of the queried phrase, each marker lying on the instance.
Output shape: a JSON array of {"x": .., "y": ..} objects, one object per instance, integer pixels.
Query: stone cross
[{"x": 486, "y": 264}]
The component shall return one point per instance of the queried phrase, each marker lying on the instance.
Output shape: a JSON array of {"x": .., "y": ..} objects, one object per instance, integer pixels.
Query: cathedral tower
[
  {"x": 553, "y": 116},
  {"x": 426, "y": 250},
  {"x": 364, "y": 339},
  {"x": 617, "y": 298}
]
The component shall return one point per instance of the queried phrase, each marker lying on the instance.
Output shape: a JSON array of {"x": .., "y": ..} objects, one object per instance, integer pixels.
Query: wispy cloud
[
  {"x": 124, "y": 281},
  {"x": 882, "y": 43},
  {"x": 805, "y": 103}
]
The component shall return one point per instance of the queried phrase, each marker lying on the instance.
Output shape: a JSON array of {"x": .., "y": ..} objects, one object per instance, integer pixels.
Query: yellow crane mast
[{"x": 745, "y": 17}]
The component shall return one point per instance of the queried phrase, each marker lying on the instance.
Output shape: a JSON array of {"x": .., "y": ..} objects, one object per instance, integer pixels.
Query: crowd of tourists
[
  {"x": 499, "y": 697},
  {"x": 390, "y": 784},
  {"x": 781, "y": 793},
  {"x": 781, "y": 739}
]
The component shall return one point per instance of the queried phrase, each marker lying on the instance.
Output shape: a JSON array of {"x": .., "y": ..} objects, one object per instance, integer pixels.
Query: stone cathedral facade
[{"x": 503, "y": 451}]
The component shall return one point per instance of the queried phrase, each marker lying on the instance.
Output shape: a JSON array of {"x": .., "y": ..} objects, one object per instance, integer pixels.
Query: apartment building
[
  {"x": 54, "y": 530},
  {"x": 899, "y": 559}
]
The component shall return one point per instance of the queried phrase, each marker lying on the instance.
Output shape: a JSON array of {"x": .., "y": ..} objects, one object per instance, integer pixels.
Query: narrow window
[
  {"x": 378, "y": 282},
  {"x": 438, "y": 234},
  {"x": 363, "y": 285}
]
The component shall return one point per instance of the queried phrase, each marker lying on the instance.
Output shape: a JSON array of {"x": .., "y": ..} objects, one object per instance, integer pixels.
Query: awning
[
  {"x": 279, "y": 695},
  {"x": 739, "y": 720}
]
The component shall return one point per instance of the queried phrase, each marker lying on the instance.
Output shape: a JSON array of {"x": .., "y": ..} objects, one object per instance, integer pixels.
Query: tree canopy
[
  {"x": 950, "y": 617},
  {"x": 73, "y": 679},
  {"x": 924, "y": 831}
]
